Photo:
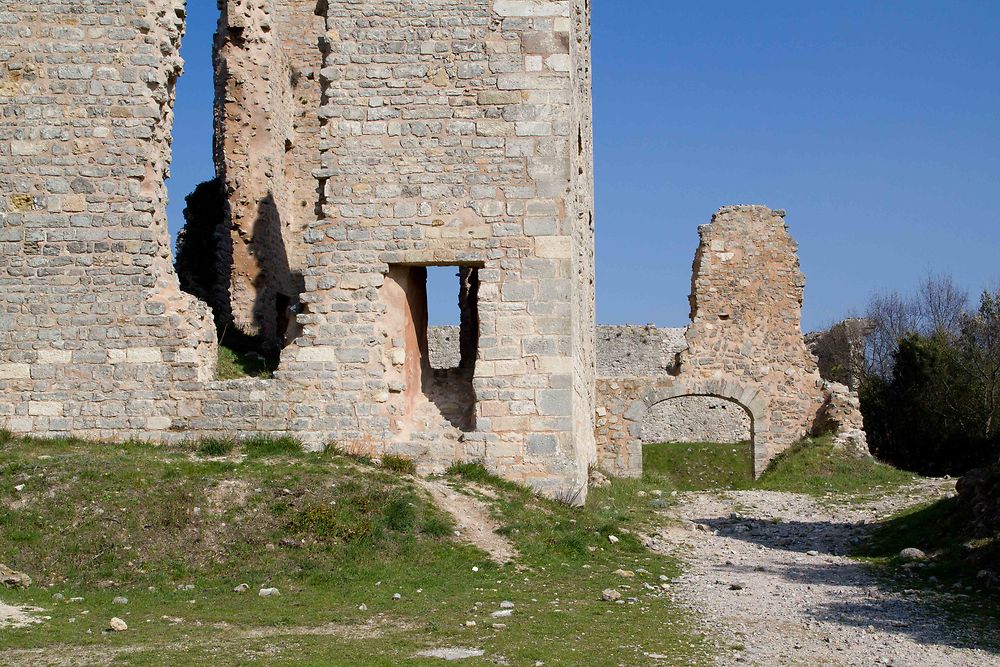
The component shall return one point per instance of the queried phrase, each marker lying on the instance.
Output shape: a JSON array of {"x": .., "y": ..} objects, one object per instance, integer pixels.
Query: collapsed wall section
[
  {"x": 458, "y": 134},
  {"x": 267, "y": 63},
  {"x": 88, "y": 298}
]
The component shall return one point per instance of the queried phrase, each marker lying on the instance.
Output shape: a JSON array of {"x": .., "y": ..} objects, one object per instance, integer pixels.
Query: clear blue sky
[{"x": 876, "y": 125}]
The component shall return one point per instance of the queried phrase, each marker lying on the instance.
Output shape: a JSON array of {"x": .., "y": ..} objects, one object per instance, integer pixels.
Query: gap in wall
[{"x": 446, "y": 380}]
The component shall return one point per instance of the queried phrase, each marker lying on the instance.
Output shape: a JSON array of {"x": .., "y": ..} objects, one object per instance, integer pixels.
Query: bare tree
[
  {"x": 941, "y": 305},
  {"x": 938, "y": 308}
]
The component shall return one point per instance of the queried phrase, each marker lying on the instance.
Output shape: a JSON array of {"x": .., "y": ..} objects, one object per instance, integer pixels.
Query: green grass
[
  {"x": 813, "y": 466},
  {"x": 941, "y": 530},
  {"x": 97, "y": 521},
  {"x": 700, "y": 465},
  {"x": 234, "y": 365},
  {"x": 264, "y": 446},
  {"x": 215, "y": 446}
]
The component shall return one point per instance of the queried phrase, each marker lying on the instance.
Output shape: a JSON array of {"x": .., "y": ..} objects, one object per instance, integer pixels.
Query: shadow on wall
[
  {"x": 277, "y": 286},
  {"x": 204, "y": 265}
]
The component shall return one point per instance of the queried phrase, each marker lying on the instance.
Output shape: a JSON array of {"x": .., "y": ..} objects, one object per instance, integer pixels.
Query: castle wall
[
  {"x": 744, "y": 346},
  {"x": 451, "y": 133}
]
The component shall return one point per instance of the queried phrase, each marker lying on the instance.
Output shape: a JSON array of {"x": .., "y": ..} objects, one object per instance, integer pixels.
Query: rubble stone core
[
  {"x": 446, "y": 132},
  {"x": 744, "y": 345}
]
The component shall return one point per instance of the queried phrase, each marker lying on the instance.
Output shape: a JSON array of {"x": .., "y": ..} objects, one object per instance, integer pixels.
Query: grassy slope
[
  {"x": 331, "y": 534},
  {"x": 941, "y": 530},
  {"x": 812, "y": 467}
]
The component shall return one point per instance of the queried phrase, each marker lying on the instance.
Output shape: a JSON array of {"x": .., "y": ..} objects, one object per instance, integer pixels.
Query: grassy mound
[
  {"x": 815, "y": 467},
  {"x": 812, "y": 466},
  {"x": 175, "y": 532},
  {"x": 943, "y": 531}
]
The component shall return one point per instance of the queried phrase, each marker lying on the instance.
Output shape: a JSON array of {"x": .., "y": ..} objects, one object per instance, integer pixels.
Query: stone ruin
[
  {"x": 357, "y": 144},
  {"x": 744, "y": 347}
]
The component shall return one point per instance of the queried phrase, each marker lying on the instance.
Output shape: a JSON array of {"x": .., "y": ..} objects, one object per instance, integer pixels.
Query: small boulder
[
  {"x": 626, "y": 574},
  {"x": 117, "y": 625},
  {"x": 506, "y": 604},
  {"x": 598, "y": 480},
  {"x": 12, "y": 578},
  {"x": 912, "y": 554},
  {"x": 242, "y": 588},
  {"x": 268, "y": 592},
  {"x": 612, "y": 539},
  {"x": 120, "y": 599},
  {"x": 610, "y": 595}
]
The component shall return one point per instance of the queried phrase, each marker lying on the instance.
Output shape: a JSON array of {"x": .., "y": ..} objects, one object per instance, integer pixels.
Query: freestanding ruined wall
[
  {"x": 89, "y": 304},
  {"x": 744, "y": 345},
  {"x": 457, "y": 134},
  {"x": 454, "y": 133},
  {"x": 267, "y": 63}
]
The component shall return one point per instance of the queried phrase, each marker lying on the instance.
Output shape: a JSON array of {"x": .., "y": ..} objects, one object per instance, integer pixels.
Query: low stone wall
[{"x": 696, "y": 419}]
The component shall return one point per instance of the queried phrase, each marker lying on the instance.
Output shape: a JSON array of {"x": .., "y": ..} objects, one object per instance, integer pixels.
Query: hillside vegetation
[{"x": 176, "y": 530}]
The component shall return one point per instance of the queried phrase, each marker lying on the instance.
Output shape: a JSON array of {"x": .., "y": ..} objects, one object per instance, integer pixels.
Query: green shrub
[
  {"x": 265, "y": 445},
  {"x": 215, "y": 446},
  {"x": 399, "y": 464}
]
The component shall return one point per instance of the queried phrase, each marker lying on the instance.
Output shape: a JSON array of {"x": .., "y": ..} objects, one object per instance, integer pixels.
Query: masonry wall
[
  {"x": 744, "y": 345},
  {"x": 476, "y": 123},
  {"x": 267, "y": 63},
  {"x": 89, "y": 305},
  {"x": 452, "y": 133}
]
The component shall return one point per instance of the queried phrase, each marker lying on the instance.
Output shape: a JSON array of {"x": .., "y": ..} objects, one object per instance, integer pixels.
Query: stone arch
[{"x": 750, "y": 399}]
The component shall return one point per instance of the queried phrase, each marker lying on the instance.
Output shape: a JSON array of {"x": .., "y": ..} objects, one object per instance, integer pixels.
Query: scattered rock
[
  {"x": 506, "y": 604},
  {"x": 610, "y": 595},
  {"x": 598, "y": 480},
  {"x": 812, "y": 552},
  {"x": 117, "y": 625},
  {"x": 268, "y": 592},
  {"x": 627, "y": 574},
  {"x": 120, "y": 599},
  {"x": 58, "y": 597},
  {"x": 362, "y": 607},
  {"x": 397, "y": 596},
  {"x": 242, "y": 588},
  {"x": 12, "y": 578},
  {"x": 503, "y": 613},
  {"x": 613, "y": 539},
  {"x": 912, "y": 554},
  {"x": 452, "y": 653}
]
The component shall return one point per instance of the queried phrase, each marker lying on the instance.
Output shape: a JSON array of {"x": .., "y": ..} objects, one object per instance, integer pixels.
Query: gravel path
[{"x": 768, "y": 572}]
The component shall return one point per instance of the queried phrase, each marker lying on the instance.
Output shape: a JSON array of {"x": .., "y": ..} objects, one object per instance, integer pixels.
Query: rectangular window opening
[{"x": 440, "y": 343}]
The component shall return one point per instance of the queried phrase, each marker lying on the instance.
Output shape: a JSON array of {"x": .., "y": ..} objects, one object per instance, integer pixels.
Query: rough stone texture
[
  {"x": 696, "y": 419},
  {"x": 638, "y": 351},
  {"x": 744, "y": 345},
  {"x": 267, "y": 146},
  {"x": 840, "y": 351},
  {"x": 453, "y": 132}
]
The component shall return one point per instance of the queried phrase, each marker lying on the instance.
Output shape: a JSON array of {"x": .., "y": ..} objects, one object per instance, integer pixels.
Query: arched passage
[{"x": 629, "y": 455}]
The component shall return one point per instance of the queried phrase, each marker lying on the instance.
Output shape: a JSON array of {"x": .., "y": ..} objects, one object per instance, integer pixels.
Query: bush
[
  {"x": 399, "y": 464},
  {"x": 266, "y": 445},
  {"x": 215, "y": 446}
]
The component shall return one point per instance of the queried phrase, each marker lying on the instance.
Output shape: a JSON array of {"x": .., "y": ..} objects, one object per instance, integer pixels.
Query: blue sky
[{"x": 876, "y": 125}]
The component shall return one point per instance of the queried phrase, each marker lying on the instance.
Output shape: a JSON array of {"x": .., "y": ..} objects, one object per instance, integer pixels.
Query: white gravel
[{"x": 769, "y": 602}]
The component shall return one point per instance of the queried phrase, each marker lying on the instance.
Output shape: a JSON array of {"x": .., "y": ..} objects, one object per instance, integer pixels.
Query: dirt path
[
  {"x": 18, "y": 617},
  {"x": 474, "y": 522},
  {"x": 768, "y": 572}
]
